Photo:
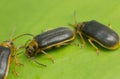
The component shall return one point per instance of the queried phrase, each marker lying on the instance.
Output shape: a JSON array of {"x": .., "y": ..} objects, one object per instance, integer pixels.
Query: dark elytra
[
  {"x": 53, "y": 36},
  {"x": 4, "y": 56},
  {"x": 100, "y": 32}
]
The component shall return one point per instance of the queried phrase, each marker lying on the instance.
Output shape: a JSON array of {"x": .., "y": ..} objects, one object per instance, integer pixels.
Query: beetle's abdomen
[
  {"x": 4, "y": 57},
  {"x": 100, "y": 33},
  {"x": 54, "y": 36}
]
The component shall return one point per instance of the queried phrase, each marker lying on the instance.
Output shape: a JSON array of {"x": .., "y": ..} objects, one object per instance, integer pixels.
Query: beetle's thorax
[
  {"x": 31, "y": 48},
  {"x": 8, "y": 44},
  {"x": 79, "y": 26}
]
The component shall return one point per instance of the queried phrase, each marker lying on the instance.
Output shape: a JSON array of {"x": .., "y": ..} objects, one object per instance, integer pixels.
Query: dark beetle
[
  {"x": 52, "y": 38},
  {"x": 7, "y": 51},
  {"x": 98, "y": 33}
]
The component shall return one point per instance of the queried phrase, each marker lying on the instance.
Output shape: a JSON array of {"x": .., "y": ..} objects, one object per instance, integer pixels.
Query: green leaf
[{"x": 71, "y": 62}]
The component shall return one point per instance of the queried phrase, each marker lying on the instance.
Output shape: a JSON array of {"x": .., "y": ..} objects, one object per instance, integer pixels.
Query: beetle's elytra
[
  {"x": 4, "y": 61},
  {"x": 98, "y": 33},
  {"x": 52, "y": 38}
]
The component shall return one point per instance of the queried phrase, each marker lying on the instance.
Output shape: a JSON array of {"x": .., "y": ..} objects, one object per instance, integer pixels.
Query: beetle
[
  {"x": 7, "y": 52},
  {"x": 49, "y": 39},
  {"x": 99, "y": 33}
]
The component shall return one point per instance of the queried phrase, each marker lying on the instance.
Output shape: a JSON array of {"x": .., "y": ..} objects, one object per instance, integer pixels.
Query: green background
[{"x": 71, "y": 62}]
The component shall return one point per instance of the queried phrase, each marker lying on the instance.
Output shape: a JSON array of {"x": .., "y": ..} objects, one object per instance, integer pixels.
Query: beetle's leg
[
  {"x": 97, "y": 50},
  {"x": 77, "y": 42},
  {"x": 15, "y": 61},
  {"x": 32, "y": 58},
  {"x": 14, "y": 69},
  {"x": 14, "y": 55},
  {"x": 83, "y": 41},
  {"x": 49, "y": 56}
]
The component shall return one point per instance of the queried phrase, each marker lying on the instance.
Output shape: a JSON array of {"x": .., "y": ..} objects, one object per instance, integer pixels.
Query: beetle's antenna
[
  {"x": 21, "y": 36},
  {"x": 75, "y": 18},
  {"x": 13, "y": 31},
  {"x": 12, "y": 34}
]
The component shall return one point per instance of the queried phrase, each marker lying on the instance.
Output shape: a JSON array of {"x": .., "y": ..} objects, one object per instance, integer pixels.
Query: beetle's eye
[{"x": 11, "y": 43}]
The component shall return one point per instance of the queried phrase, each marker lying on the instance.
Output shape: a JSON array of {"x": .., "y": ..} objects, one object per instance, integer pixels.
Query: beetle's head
[{"x": 31, "y": 48}]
